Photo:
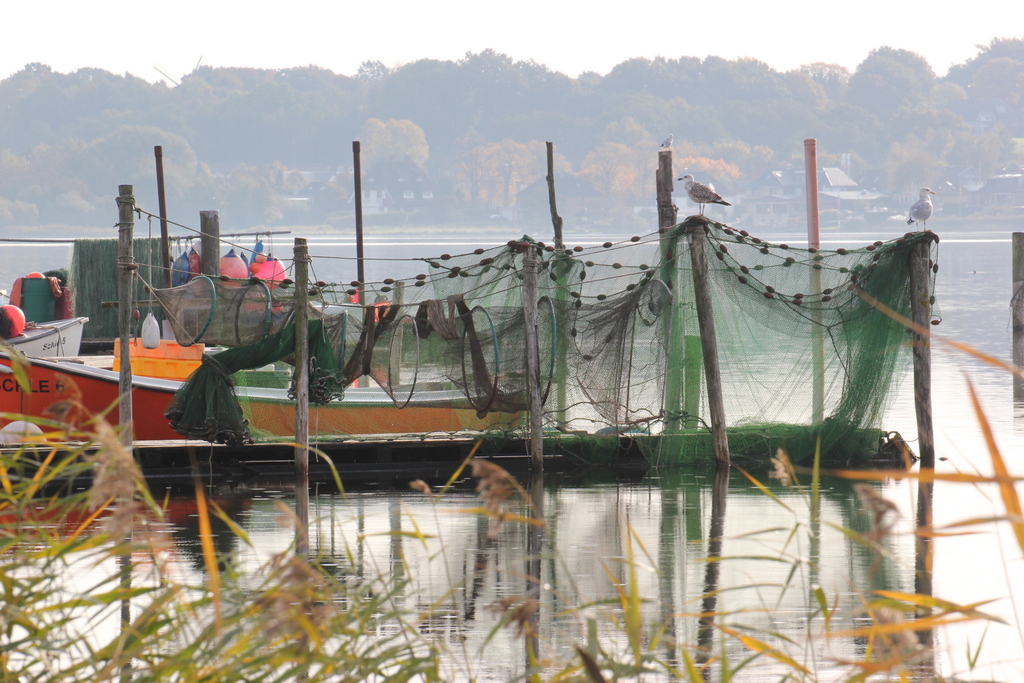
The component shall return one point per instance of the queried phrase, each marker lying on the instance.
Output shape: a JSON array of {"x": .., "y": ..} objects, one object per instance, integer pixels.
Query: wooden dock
[{"x": 385, "y": 461}]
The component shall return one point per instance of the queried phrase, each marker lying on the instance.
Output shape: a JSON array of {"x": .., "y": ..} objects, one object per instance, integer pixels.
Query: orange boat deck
[{"x": 72, "y": 393}]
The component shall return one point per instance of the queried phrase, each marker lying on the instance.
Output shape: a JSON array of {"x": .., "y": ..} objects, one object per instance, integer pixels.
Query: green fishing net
[
  {"x": 207, "y": 408},
  {"x": 807, "y": 353}
]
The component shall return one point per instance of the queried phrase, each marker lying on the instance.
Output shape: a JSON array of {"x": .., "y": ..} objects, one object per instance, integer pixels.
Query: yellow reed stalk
[
  {"x": 457, "y": 473},
  {"x": 90, "y": 519},
  {"x": 31, "y": 491},
  {"x": 1006, "y": 487},
  {"x": 209, "y": 552}
]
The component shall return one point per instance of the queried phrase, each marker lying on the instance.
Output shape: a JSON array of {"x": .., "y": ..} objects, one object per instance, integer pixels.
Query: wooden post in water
[
  {"x": 814, "y": 242},
  {"x": 556, "y": 220},
  {"x": 125, "y": 272},
  {"x": 1017, "y": 308},
  {"x": 532, "y": 356},
  {"x": 357, "y": 179},
  {"x": 561, "y": 267},
  {"x": 708, "y": 339},
  {"x": 165, "y": 242},
  {"x": 209, "y": 240},
  {"x": 676, "y": 367},
  {"x": 921, "y": 313},
  {"x": 126, "y": 267},
  {"x": 301, "y": 253}
]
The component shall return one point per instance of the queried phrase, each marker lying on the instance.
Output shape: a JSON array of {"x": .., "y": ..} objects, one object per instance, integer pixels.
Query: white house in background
[
  {"x": 395, "y": 185},
  {"x": 778, "y": 198}
]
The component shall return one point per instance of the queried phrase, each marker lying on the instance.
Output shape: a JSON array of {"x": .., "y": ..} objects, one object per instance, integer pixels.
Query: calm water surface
[{"x": 663, "y": 521}]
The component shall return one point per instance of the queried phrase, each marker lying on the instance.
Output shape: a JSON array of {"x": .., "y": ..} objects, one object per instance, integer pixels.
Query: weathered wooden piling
[
  {"x": 357, "y": 180},
  {"x": 562, "y": 267},
  {"x": 532, "y": 356},
  {"x": 921, "y": 310},
  {"x": 1017, "y": 308},
  {"x": 165, "y": 242},
  {"x": 301, "y": 254},
  {"x": 125, "y": 272},
  {"x": 667, "y": 213},
  {"x": 556, "y": 220},
  {"x": 209, "y": 240},
  {"x": 708, "y": 338},
  {"x": 126, "y": 267}
]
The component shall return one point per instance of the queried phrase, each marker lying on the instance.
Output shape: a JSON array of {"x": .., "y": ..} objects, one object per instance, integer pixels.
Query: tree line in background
[{"x": 246, "y": 141}]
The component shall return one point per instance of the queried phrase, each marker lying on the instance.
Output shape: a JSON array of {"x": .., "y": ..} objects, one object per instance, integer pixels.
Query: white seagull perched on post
[
  {"x": 701, "y": 194},
  {"x": 922, "y": 209},
  {"x": 667, "y": 142}
]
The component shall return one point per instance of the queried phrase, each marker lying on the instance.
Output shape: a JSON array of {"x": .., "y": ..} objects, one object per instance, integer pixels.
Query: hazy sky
[{"x": 141, "y": 36}]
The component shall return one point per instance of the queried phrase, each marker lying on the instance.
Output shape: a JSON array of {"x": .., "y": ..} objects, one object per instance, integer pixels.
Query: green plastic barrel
[{"x": 37, "y": 299}]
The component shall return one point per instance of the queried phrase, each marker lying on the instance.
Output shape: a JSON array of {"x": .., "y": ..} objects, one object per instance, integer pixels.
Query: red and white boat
[
  {"x": 54, "y": 339},
  {"x": 72, "y": 393}
]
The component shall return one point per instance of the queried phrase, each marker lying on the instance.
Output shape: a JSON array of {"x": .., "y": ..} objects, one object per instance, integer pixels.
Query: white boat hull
[{"x": 55, "y": 339}]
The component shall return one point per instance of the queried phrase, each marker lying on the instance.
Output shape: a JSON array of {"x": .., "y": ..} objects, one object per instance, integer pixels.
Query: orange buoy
[
  {"x": 35, "y": 275},
  {"x": 270, "y": 270}
]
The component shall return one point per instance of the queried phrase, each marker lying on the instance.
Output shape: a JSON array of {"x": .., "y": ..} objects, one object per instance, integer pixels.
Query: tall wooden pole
[
  {"x": 209, "y": 240},
  {"x": 357, "y": 178},
  {"x": 165, "y": 242},
  {"x": 708, "y": 340},
  {"x": 532, "y": 356},
  {"x": 668, "y": 212},
  {"x": 814, "y": 242},
  {"x": 562, "y": 267},
  {"x": 811, "y": 187},
  {"x": 126, "y": 267},
  {"x": 676, "y": 367},
  {"x": 921, "y": 313},
  {"x": 556, "y": 220},
  {"x": 301, "y": 253},
  {"x": 1017, "y": 308},
  {"x": 125, "y": 271}
]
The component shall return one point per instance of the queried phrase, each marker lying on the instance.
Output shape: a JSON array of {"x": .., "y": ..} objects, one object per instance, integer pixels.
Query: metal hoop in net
[
  {"x": 392, "y": 364},
  {"x": 240, "y": 324},
  {"x": 480, "y": 388},
  {"x": 552, "y": 344},
  {"x": 209, "y": 317}
]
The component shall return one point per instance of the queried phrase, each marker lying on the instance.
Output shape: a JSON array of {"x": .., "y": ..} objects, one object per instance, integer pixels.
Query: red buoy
[{"x": 15, "y": 319}]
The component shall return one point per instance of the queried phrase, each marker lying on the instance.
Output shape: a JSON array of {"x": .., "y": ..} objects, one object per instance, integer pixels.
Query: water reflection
[
  {"x": 534, "y": 550},
  {"x": 923, "y": 557},
  {"x": 709, "y": 601},
  {"x": 673, "y": 524}
]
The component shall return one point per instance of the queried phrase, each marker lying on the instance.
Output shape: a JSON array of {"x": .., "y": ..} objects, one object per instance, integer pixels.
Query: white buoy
[
  {"x": 150, "y": 332},
  {"x": 20, "y": 431}
]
